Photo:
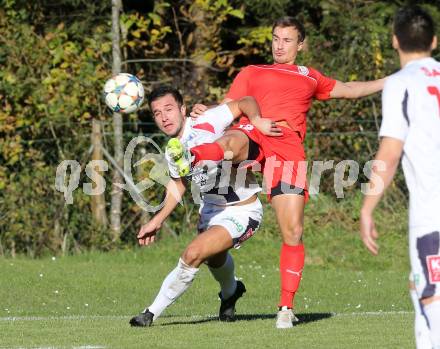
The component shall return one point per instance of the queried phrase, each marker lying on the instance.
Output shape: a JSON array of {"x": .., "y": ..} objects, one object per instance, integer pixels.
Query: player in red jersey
[{"x": 284, "y": 92}]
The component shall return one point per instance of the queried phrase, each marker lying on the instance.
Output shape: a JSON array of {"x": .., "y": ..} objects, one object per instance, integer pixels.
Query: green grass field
[{"x": 85, "y": 301}]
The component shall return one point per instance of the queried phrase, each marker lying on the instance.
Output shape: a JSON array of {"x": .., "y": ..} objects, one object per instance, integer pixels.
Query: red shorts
[{"x": 282, "y": 160}]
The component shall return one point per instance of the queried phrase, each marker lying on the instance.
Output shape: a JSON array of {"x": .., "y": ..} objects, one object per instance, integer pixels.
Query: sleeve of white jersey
[
  {"x": 395, "y": 121},
  {"x": 219, "y": 118}
]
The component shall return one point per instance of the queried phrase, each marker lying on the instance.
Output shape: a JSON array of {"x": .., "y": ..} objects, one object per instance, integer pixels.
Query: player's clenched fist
[{"x": 147, "y": 233}]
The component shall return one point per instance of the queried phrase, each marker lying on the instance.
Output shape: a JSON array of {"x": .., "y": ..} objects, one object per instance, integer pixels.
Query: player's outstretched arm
[
  {"x": 174, "y": 193},
  {"x": 356, "y": 89},
  {"x": 382, "y": 173}
]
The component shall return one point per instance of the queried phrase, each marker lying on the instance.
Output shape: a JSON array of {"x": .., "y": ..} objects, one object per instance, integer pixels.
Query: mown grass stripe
[{"x": 86, "y": 317}]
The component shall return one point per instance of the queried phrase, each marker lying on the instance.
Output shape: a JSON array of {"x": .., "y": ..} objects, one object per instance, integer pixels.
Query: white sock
[
  {"x": 420, "y": 326},
  {"x": 173, "y": 287},
  {"x": 432, "y": 312},
  {"x": 225, "y": 277}
]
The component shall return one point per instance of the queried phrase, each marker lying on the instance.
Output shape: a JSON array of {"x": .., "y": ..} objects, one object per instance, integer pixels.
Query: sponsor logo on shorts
[
  {"x": 247, "y": 235},
  {"x": 433, "y": 263},
  {"x": 303, "y": 70},
  {"x": 239, "y": 227}
]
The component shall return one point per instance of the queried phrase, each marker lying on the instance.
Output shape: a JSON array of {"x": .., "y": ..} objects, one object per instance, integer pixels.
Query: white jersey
[
  {"x": 411, "y": 113},
  {"x": 218, "y": 183}
]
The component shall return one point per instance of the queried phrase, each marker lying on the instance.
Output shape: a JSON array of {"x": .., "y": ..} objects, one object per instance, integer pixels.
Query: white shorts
[
  {"x": 424, "y": 251},
  {"x": 241, "y": 222}
]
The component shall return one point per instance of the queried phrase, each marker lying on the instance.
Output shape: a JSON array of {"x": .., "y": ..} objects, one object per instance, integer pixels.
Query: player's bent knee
[
  {"x": 292, "y": 234},
  {"x": 225, "y": 142},
  {"x": 233, "y": 144},
  {"x": 193, "y": 256}
]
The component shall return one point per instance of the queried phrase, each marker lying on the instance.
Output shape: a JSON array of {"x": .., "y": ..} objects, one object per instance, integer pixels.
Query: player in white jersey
[
  {"x": 230, "y": 212},
  {"x": 411, "y": 130}
]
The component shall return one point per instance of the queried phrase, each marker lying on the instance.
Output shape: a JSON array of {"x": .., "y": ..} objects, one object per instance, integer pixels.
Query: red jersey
[{"x": 283, "y": 91}]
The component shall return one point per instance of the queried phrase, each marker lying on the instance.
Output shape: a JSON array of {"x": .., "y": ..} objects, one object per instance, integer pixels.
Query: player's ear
[
  {"x": 395, "y": 42},
  {"x": 434, "y": 43},
  {"x": 301, "y": 45},
  {"x": 183, "y": 109}
]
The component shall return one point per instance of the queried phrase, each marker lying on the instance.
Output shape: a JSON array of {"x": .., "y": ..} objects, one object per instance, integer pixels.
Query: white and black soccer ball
[{"x": 123, "y": 93}]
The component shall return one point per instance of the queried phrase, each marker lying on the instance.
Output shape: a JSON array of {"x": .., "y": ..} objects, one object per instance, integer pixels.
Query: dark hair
[
  {"x": 163, "y": 90},
  {"x": 288, "y": 21},
  {"x": 414, "y": 29}
]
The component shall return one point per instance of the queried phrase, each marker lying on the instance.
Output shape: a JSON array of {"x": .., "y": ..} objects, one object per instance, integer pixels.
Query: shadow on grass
[{"x": 303, "y": 318}]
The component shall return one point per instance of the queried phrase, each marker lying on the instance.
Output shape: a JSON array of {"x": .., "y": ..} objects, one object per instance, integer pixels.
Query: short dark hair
[
  {"x": 163, "y": 90},
  {"x": 288, "y": 21},
  {"x": 414, "y": 29}
]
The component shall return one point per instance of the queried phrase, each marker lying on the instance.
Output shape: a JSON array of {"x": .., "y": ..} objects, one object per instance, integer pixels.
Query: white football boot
[
  {"x": 179, "y": 157},
  {"x": 285, "y": 318}
]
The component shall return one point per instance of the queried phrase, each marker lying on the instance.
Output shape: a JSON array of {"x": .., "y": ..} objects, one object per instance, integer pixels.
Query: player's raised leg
[
  {"x": 234, "y": 146},
  {"x": 289, "y": 209},
  {"x": 179, "y": 157}
]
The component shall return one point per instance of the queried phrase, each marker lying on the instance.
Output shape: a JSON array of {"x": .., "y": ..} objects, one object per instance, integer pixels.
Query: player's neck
[
  {"x": 405, "y": 58},
  {"x": 182, "y": 129},
  {"x": 285, "y": 63}
]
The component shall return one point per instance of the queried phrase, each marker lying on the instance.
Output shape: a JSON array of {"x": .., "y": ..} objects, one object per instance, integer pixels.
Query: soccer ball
[{"x": 123, "y": 93}]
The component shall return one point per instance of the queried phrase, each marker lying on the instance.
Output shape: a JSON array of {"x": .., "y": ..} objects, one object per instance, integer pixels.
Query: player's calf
[{"x": 174, "y": 285}]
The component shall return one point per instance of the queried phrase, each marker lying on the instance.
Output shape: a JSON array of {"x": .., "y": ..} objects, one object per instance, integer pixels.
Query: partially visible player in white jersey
[
  {"x": 230, "y": 212},
  {"x": 411, "y": 130}
]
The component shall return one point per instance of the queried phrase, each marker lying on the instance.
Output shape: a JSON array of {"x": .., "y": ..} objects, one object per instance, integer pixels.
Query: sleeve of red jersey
[
  {"x": 239, "y": 87},
  {"x": 324, "y": 86}
]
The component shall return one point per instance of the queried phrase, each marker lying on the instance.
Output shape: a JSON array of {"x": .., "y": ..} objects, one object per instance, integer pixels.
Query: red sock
[
  {"x": 291, "y": 266},
  {"x": 207, "y": 151}
]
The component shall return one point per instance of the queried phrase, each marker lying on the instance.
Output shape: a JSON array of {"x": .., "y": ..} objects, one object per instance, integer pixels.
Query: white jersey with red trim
[
  {"x": 411, "y": 113},
  {"x": 218, "y": 183}
]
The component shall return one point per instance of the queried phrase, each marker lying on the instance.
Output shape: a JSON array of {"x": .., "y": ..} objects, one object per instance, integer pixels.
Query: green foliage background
[{"x": 55, "y": 57}]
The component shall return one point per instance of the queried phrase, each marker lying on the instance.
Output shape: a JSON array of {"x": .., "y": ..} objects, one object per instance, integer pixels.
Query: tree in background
[{"x": 56, "y": 56}]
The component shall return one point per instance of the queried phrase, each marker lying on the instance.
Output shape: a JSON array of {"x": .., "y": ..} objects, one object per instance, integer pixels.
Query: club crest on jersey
[
  {"x": 303, "y": 70},
  {"x": 433, "y": 263},
  {"x": 247, "y": 127}
]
